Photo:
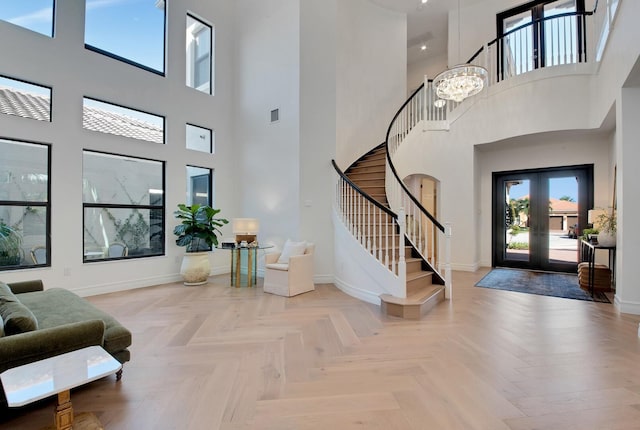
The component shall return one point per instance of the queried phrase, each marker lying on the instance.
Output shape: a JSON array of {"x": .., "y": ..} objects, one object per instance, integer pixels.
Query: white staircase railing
[{"x": 380, "y": 231}]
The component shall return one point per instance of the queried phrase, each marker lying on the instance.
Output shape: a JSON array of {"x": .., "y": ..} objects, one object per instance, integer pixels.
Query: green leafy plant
[
  {"x": 199, "y": 229},
  {"x": 607, "y": 222},
  {"x": 10, "y": 245}
]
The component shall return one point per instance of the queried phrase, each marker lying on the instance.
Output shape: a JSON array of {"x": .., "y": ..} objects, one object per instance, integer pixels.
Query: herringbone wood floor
[{"x": 215, "y": 357}]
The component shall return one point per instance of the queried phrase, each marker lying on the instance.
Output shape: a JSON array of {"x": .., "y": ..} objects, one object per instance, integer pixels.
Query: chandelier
[{"x": 460, "y": 82}]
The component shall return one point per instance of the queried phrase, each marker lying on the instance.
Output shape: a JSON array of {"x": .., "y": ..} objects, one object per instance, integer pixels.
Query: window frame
[
  {"x": 26, "y": 204},
  {"x": 150, "y": 207},
  {"x": 53, "y": 23},
  {"x": 164, "y": 121},
  {"x": 128, "y": 61},
  {"x": 191, "y": 55},
  {"x": 24, "y": 81},
  {"x": 211, "y": 139}
]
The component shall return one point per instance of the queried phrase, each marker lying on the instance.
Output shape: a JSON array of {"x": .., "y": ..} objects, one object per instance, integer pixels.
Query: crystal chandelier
[{"x": 460, "y": 82}]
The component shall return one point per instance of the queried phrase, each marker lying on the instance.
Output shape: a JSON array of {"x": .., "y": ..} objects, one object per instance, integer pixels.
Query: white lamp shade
[
  {"x": 245, "y": 225},
  {"x": 593, "y": 215}
]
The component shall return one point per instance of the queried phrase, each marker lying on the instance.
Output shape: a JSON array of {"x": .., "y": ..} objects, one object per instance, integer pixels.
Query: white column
[{"x": 628, "y": 200}]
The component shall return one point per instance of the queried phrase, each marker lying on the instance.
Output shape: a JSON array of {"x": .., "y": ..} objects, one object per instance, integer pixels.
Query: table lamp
[{"x": 245, "y": 229}]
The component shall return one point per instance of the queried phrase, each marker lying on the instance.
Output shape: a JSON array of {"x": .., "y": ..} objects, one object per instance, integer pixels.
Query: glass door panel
[
  {"x": 560, "y": 35},
  {"x": 518, "y": 46},
  {"x": 563, "y": 213},
  {"x": 517, "y": 220}
]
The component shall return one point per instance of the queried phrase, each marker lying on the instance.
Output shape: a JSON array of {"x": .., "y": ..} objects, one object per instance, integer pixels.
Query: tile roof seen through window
[{"x": 18, "y": 103}]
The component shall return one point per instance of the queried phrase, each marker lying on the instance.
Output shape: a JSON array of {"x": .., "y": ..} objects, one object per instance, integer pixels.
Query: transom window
[
  {"x": 121, "y": 121},
  {"x": 34, "y": 15},
  {"x": 25, "y": 99},
  {"x": 200, "y": 139},
  {"x": 132, "y": 31}
]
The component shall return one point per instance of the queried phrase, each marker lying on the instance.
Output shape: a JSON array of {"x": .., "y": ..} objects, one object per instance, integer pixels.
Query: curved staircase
[{"x": 423, "y": 291}]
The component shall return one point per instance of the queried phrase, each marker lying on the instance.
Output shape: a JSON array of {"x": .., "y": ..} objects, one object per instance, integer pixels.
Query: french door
[
  {"x": 540, "y": 33},
  {"x": 538, "y": 215}
]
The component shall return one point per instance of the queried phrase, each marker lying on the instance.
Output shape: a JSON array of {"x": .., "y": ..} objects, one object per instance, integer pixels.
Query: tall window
[
  {"x": 199, "y": 58},
  {"x": 200, "y": 139},
  {"x": 123, "y": 199},
  {"x": 132, "y": 31},
  {"x": 24, "y": 204},
  {"x": 541, "y": 33},
  {"x": 121, "y": 121},
  {"x": 199, "y": 186},
  {"x": 35, "y": 15},
  {"x": 25, "y": 99}
]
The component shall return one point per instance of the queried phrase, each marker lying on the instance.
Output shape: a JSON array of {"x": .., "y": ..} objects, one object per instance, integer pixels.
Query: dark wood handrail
[
  {"x": 395, "y": 173},
  {"x": 546, "y": 18},
  {"x": 365, "y": 195}
]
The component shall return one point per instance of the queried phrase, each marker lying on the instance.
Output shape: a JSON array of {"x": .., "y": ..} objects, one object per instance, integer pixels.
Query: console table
[
  {"x": 244, "y": 256},
  {"x": 58, "y": 375},
  {"x": 588, "y": 255}
]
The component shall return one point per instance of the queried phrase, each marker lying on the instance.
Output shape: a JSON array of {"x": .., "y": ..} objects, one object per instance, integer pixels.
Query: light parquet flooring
[{"x": 216, "y": 357}]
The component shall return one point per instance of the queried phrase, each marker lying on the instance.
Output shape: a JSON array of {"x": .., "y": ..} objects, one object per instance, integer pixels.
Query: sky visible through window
[
  {"x": 36, "y": 15},
  {"x": 558, "y": 187},
  {"x": 131, "y": 29}
]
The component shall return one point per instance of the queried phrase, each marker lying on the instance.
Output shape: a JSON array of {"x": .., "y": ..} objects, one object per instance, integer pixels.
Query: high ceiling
[{"x": 426, "y": 24}]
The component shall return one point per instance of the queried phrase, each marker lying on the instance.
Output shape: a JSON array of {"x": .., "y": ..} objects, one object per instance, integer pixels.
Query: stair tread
[
  {"x": 412, "y": 276},
  {"x": 416, "y": 298}
]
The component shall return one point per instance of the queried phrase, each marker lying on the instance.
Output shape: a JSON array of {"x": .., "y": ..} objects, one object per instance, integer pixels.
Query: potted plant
[
  {"x": 607, "y": 226},
  {"x": 198, "y": 232},
  {"x": 10, "y": 246}
]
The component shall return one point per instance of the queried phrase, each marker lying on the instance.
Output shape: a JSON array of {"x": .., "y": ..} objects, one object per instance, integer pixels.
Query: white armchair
[{"x": 289, "y": 276}]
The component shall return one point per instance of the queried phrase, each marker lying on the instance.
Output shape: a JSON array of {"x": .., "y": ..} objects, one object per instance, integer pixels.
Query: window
[
  {"x": 123, "y": 200},
  {"x": 25, "y": 99},
  {"x": 112, "y": 119},
  {"x": 200, "y": 139},
  {"x": 199, "y": 186},
  {"x": 24, "y": 204},
  {"x": 541, "y": 33},
  {"x": 34, "y": 15},
  {"x": 199, "y": 47},
  {"x": 132, "y": 31}
]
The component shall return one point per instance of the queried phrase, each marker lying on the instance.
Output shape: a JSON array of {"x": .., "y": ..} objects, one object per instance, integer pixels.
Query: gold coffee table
[{"x": 58, "y": 375}]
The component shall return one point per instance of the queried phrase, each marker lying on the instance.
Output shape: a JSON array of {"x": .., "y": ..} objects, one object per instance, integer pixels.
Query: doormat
[{"x": 542, "y": 283}]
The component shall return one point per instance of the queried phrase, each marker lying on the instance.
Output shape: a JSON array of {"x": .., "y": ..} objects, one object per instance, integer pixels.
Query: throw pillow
[
  {"x": 6, "y": 295},
  {"x": 17, "y": 318},
  {"x": 291, "y": 249}
]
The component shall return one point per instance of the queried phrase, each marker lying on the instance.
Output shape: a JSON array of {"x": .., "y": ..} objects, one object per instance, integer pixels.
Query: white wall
[
  {"x": 72, "y": 71},
  {"x": 429, "y": 66},
  {"x": 371, "y": 75},
  {"x": 318, "y": 89},
  {"x": 267, "y": 70}
]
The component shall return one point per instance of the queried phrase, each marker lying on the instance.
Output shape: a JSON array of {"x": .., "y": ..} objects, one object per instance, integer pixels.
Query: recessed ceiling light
[
  {"x": 423, "y": 47},
  {"x": 424, "y": 1}
]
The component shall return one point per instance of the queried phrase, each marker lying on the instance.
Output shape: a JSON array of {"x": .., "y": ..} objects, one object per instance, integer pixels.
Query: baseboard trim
[
  {"x": 627, "y": 307},
  {"x": 465, "y": 267},
  {"x": 113, "y": 287},
  {"x": 364, "y": 295}
]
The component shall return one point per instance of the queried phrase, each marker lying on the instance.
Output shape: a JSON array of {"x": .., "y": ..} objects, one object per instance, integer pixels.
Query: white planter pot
[
  {"x": 606, "y": 238},
  {"x": 196, "y": 268}
]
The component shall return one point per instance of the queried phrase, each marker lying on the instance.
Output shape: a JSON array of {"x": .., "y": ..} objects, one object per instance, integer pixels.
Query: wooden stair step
[{"x": 414, "y": 306}]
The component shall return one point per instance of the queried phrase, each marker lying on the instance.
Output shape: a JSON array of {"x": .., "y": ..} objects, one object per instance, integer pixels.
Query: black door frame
[{"x": 539, "y": 210}]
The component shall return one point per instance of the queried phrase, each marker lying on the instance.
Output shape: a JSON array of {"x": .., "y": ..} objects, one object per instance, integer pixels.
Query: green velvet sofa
[{"x": 36, "y": 323}]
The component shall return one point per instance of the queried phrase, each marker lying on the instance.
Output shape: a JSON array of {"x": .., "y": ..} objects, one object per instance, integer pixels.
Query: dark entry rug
[{"x": 541, "y": 283}]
